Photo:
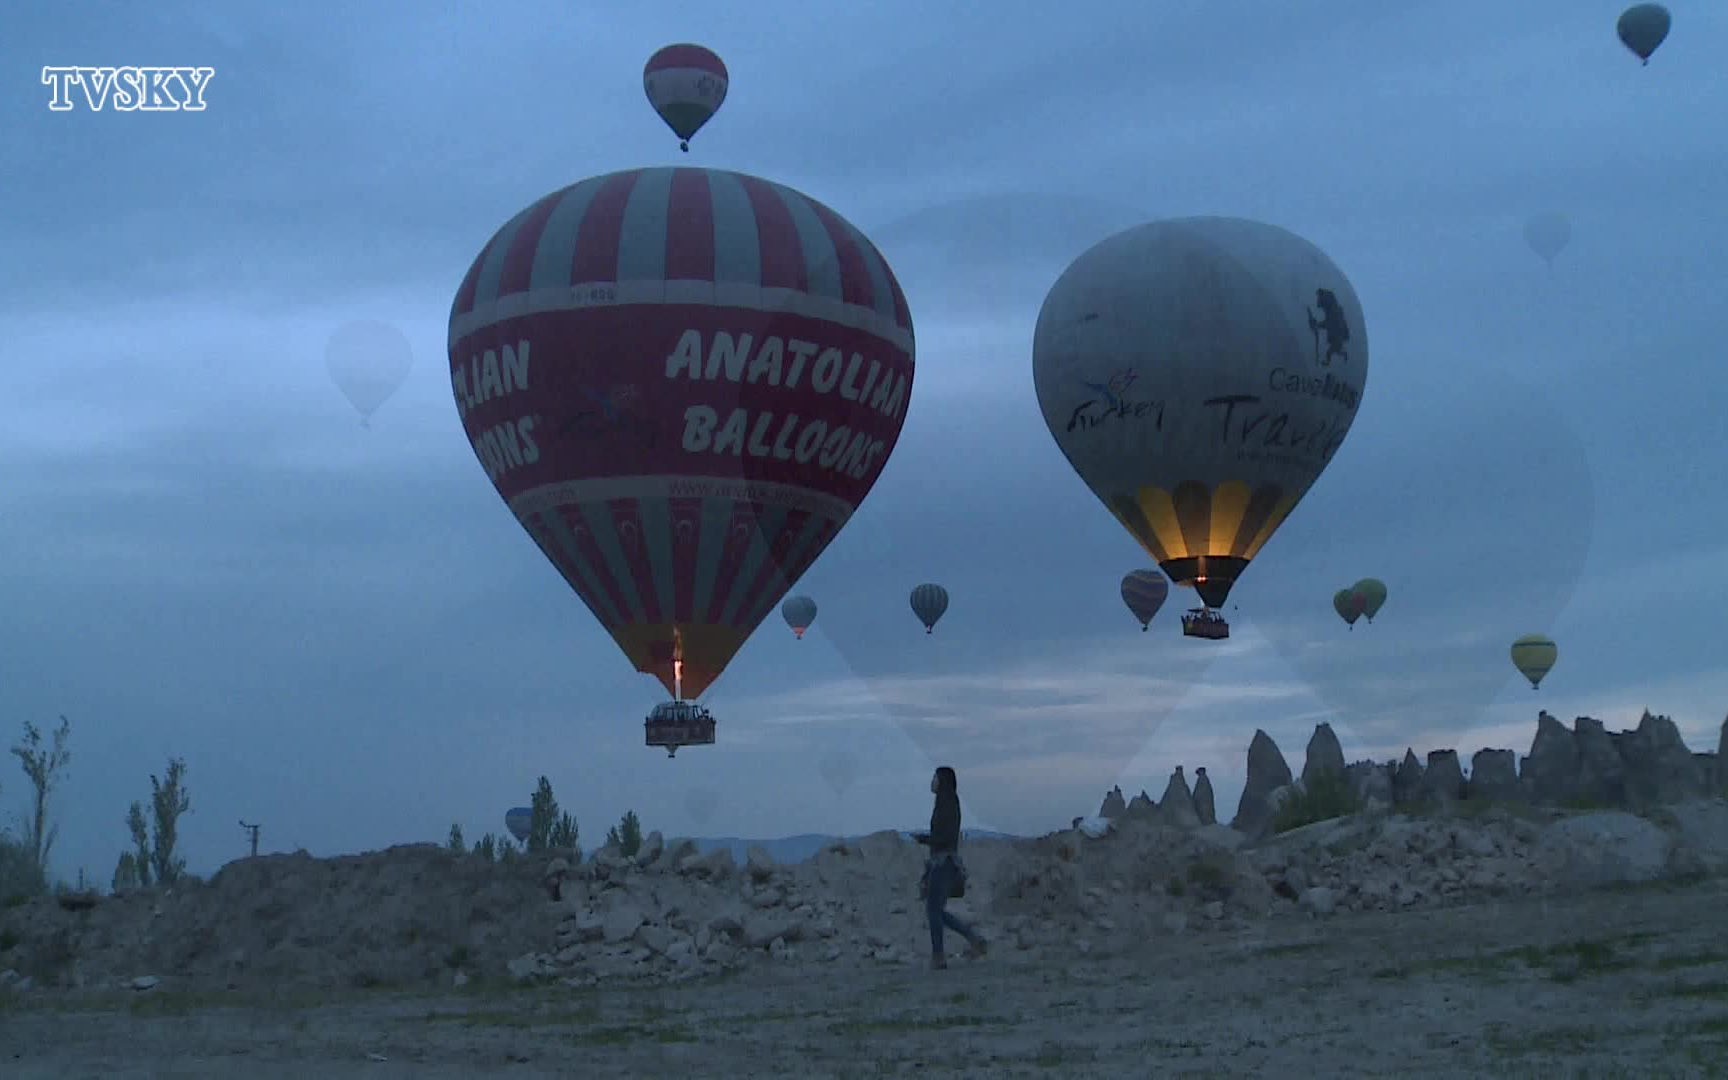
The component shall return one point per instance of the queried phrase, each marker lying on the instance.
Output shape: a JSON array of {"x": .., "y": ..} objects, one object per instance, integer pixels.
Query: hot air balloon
[
  {"x": 1144, "y": 592},
  {"x": 799, "y": 612},
  {"x": 682, "y": 382},
  {"x": 839, "y": 768},
  {"x": 1348, "y": 604},
  {"x": 686, "y": 84},
  {"x": 517, "y": 820},
  {"x": 1534, "y": 656},
  {"x": 928, "y": 603},
  {"x": 1642, "y": 28},
  {"x": 1373, "y": 594},
  {"x": 368, "y": 361},
  {"x": 1548, "y": 234},
  {"x": 1199, "y": 374}
]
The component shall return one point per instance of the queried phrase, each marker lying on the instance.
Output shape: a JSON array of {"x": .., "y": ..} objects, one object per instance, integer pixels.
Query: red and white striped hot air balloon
[
  {"x": 686, "y": 84},
  {"x": 682, "y": 382}
]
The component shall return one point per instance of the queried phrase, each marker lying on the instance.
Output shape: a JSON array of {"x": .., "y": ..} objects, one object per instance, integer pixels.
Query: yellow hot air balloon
[
  {"x": 1534, "y": 656},
  {"x": 1199, "y": 374}
]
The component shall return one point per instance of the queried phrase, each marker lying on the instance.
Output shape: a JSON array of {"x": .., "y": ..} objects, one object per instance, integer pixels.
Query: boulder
[
  {"x": 1177, "y": 805},
  {"x": 1493, "y": 776},
  {"x": 1204, "y": 803},
  {"x": 1267, "y": 772},
  {"x": 1603, "y": 847},
  {"x": 1325, "y": 755}
]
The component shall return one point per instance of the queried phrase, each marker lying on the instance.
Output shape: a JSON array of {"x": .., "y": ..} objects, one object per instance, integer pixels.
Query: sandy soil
[{"x": 1630, "y": 982}]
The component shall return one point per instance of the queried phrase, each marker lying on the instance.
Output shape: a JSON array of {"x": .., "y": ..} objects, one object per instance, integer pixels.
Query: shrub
[{"x": 1327, "y": 795}]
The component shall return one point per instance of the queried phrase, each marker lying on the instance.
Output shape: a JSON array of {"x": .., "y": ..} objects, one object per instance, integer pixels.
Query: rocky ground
[
  {"x": 1631, "y": 981},
  {"x": 1470, "y": 939}
]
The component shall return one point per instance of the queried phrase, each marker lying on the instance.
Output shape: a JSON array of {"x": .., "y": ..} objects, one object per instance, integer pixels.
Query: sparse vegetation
[
  {"x": 546, "y": 827},
  {"x": 455, "y": 843},
  {"x": 1324, "y": 796},
  {"x": 154, "y": 858},
  {"x": 626, "y": 836},
  {"x": 44, "y": 768}
]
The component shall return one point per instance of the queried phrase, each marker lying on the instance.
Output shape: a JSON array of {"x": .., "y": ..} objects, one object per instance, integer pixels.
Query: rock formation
[{"x": 1267, "y": 772}]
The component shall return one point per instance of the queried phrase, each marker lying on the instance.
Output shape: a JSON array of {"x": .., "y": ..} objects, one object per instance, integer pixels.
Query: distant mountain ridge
[{"x": 795, "y": 849}]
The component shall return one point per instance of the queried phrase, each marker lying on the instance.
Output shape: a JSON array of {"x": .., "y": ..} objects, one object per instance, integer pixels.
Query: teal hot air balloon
[
  {"x": 1547, "y": 234},
  {"x": 1372, "y": 592},
  {"x": 1642, "y": 28},
  {"x": 517, "y": 820},
  {"x": 928, "y": 603},
  {"x": 1144, "y": 591},
  {"x": 799, "y": 612},
  {"x": 1349, "y": 605}
]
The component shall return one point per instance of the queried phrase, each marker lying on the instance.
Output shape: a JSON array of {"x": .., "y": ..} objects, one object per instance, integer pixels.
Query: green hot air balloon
[
  {"x": 1373, "y": 594},
  {"x": 1642, "y": 28},
  {"x": 1199, "y": 374},
  {"x": 1348, "y": 605},
  {"x": 1534, "y": 655}
]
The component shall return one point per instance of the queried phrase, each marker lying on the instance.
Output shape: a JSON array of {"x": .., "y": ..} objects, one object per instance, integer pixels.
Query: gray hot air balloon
[
  {"x": 1144, "y": 592},
  {"x": 839, "y": 768},
  {"x": 799, "y": 612},
  {"x": 517, "y": 820},
  {"x": 368, "y": 361},
  {"x": 1642, "y": 28},
  {"x": 1548, "y": 234},
  {"x": 1199, "y": 374},
  {"x": 928, "y": 603}
]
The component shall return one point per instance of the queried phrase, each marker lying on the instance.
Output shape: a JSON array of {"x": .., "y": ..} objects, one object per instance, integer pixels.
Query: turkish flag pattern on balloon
[{"x": 682, "y": 382}]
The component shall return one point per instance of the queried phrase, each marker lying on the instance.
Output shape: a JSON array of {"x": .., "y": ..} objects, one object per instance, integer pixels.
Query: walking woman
[{"x": 943, "y": 870}]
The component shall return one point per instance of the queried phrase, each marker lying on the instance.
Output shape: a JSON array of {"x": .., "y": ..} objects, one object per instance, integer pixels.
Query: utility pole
[{"x": 253, "y": 829}]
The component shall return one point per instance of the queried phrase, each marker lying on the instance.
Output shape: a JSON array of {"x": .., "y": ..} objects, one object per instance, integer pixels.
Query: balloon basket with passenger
[
  {"x": 1205, "y": 623},
  {"x": 678, "y": 722}
]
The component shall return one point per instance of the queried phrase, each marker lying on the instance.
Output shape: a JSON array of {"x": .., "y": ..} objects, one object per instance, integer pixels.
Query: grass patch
[
  {"x": 636, "y": 1034},
  {"x": 9, "y": 940},
  {"x": 1561, "y": 1040},
  {"x": 1327, "y": 795},
  {"x": 1293, "y": 948},
  {"x": 908, "y": 1022},
  {"x": 1566, "y": 962},
  {"x": 1687, "y": 960},
  {"x": 1715, "y": 990}
]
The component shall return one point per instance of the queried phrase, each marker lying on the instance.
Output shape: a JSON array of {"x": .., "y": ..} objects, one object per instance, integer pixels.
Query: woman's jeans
[{"x": 942, "y": 872}]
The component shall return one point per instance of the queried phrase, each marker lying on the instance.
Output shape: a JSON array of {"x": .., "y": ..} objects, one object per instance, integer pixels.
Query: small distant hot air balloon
[
  {"x": 799, "y": 612},
  {"x": 517, "y": 821},
  {"x": 1534, "y": 656},
  {"x": 686, "y": 84},
  {"x": 1349, "y": 605},
  {"x": 1373, "y": 594},
  {"x": 1144, "y": 591},
  {"x": 928, "y": 603},
  {"x": 368, "y": 361},
  {"x": 1548, "y": 233},
  {"x": 1177, "y": 366},
  {"x": 839, "y": 768},
  {"x": 1642, "y": 28}
]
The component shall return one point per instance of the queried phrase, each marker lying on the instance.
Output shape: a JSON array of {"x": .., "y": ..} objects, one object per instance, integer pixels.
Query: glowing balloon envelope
[
  {"x": 1372, "y": 593},
  {"x": 799, "y": 612},
  {"x": 1144, "y": 591},
  {"x": 368, "y": 361},
  {"x": 686, "y": 85},
  {"x": 1534, "y": 656},
  {"x": 682, "y": 382},
  {"x": 1548, "y": 234},
  {"x": 1199, "y": 374},
  {"x": 1643, "y": 28},
  {"x": 928, "y": 603},
  {"x": 518, "y": 820}
]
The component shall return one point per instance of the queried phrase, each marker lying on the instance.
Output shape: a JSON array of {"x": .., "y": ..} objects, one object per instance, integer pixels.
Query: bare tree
[
  {"x": 45, "y": 769},
  {"x": 168, "y": 800}
]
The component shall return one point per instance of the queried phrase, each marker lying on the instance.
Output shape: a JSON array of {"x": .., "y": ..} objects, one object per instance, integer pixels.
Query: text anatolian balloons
[
  {"x": 686, "y": 85},
  {"x": 1548, "y": 234},
  {"x": 682, "y": 382},
  {"x": 1199, "y": 374},
  {"x": 368, "y": 361}
]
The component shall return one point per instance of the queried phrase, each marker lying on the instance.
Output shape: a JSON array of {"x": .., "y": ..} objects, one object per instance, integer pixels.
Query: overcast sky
[{"x": 350, "y": 639}]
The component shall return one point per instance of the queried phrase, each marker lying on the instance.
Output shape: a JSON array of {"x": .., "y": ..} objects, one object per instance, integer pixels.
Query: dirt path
[{"x": 1630, "y": 983}]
